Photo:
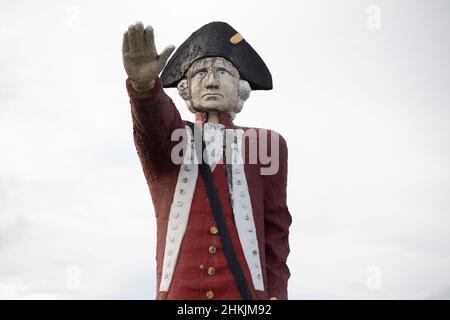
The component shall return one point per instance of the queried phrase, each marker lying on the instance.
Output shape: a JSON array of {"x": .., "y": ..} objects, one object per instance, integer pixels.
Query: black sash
[{"x": 219, "y": 216}]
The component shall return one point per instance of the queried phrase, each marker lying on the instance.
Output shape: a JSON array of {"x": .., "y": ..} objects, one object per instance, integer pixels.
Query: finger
[
  {"x": 150, "y": 39},
  {"x": 132, "y": 38},
  {"x": 165, "y": 54},
  {"x": 125, "y": 43},
  {"x": 139, "y": 29}
]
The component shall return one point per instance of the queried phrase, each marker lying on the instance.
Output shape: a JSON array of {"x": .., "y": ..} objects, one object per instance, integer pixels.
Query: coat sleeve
[
  {"x": 277, "y": 221},
  {"x": 154, "y": 117}
]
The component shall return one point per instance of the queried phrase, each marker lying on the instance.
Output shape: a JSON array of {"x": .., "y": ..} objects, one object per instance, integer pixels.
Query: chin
[{"x": 210, "y": 107}]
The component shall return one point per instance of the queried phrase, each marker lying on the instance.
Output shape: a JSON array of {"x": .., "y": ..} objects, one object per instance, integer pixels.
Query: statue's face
[{"x": 213, "y": 84}]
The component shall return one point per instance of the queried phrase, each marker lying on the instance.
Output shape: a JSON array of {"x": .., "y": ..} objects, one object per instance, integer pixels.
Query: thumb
[{"x": 165, "y": 54}]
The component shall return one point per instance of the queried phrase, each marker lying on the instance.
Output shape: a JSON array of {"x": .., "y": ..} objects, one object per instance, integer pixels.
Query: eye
[
  {"x": 222, "y": 72},
  {"x": 200, "y": 74}
]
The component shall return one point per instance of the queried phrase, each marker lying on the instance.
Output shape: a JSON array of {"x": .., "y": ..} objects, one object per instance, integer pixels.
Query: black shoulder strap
[{"x": 225, "y": 238}]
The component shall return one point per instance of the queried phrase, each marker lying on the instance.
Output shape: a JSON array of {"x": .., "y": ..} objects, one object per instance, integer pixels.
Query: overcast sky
[{"x": 361, "y": 95}]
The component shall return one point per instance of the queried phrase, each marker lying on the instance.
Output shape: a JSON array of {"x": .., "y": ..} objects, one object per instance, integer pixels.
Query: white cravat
[{"x": 214, "y": 138}]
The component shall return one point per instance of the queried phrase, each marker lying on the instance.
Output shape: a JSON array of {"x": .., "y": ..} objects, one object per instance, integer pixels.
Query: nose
[{"x": 211, "y": 81}]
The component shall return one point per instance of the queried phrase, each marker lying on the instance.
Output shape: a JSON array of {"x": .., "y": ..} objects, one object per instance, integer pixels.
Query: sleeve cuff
[{"x": 144, "y": 95}]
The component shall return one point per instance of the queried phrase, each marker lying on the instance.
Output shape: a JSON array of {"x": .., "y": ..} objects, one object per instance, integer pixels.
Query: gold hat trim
[{"x": 236, "y": 38}]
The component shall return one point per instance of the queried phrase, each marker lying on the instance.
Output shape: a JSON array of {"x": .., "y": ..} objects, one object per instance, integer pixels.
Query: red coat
[{"x": 155, "y": 117}]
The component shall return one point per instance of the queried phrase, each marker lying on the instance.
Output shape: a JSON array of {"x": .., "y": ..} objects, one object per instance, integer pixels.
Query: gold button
[
  {"x": 212, "y": 249},
  {"x": 273, "y": 298},
  {"x": 213, "y": 230},
  {"x": 210, "y": 294},
  {"x": 211, "y": 271}
]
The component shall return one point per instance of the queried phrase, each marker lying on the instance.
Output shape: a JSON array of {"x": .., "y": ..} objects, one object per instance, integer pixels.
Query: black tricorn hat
[{"x": 218, "y": 39}]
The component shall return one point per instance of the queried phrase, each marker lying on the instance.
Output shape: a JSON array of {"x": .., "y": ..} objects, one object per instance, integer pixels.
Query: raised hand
[{"x": 140, "y": 58}]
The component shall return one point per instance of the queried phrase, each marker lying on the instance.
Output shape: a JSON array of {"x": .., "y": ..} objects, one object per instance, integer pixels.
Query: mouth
[{"x": 212, "y": 95}]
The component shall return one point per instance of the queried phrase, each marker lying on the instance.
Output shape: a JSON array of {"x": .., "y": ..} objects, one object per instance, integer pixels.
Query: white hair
[{"x": 243, "y": 94}]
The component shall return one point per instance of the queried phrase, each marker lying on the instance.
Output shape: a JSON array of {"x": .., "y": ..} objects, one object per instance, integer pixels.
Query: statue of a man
[{"x": 222, "y": 223}]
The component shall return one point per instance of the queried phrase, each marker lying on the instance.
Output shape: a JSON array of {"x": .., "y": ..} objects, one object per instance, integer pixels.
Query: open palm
[{"x": 140, "y": 58}]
